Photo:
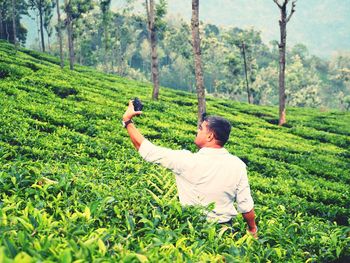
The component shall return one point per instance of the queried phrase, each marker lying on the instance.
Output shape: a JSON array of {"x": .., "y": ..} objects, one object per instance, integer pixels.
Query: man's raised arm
[{"x": 135, "y": 136}]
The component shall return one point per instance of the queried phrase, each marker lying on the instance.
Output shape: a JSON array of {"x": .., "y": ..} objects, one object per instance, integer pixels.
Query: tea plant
[{"x": 73, "y": 189}]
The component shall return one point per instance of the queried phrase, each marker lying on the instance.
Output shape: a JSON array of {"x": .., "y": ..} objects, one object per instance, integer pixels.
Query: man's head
[{"x": 213, "y": 132}]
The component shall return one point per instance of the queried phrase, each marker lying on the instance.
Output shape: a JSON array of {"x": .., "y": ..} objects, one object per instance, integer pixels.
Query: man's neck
[{"x": 212, "y": 145}]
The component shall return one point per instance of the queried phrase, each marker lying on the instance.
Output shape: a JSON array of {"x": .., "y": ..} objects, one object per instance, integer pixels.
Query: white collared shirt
[{"x": 212, "y": 175}]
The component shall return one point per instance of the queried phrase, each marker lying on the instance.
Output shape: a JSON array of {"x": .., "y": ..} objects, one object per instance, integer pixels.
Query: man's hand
[
  {"x": 253, "y": 232},
  {"x": 249, "y": 217},
  {"x": 130, "y": 112},
  {"x": 135, "y": 136}
]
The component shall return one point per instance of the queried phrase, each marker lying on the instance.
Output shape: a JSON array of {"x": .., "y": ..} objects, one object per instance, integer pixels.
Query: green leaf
[
  {"x": 155, "y": 198},
  {"x": 12, "y": 249},
  {"x": 87, "y": 213},
  {"x": 190, "y": 227},
  {"x": 27, "y": 225},
  {"x": 141, "y": 258},
  {"x": 66, "y": 256},
  {"x": 23, "y": 257},
  {"x": 101, "y": 246}
]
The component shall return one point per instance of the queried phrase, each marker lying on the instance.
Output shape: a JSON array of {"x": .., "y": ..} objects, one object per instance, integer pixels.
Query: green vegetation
[{"x": 72, "y": 188}]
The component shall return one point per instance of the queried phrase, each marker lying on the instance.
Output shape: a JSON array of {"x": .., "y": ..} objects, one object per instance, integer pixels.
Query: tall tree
[
  {"x": 304, "y": 84},
  {"x": 243, "y": 48},
  {"x": 59, "y": 32},
  {"x": 251, "y": 48},
  {"x": 5, "y": 19},
  {"x": 74, "y": 10},
  {"x": 177, "y": 70},
  {"x": 196, "y": 42},
  {"x": 339, "y": 75},
  {"x": 48, "y": 14},
  {"x": 69, "y": 25},
  {"x": 14, "y": 22},
  {"x": 152, "y": 36},
  {"x": 282, "y": 52},
  {"x": 105, "y": 10},
  {"x": 43, "y": 7},
  {"x": 11, "y": 28},
  {"x": 1, "y": 20}
]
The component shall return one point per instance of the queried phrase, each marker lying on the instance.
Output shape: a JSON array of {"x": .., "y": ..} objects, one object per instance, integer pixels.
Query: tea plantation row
[{"x": 73, "y": 189}]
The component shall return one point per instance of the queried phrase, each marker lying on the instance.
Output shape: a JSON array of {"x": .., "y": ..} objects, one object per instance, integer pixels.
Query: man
[{"x": 212, "y": 175}]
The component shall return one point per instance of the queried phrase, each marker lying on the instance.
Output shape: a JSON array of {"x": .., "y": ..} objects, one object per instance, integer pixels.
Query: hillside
[{"x": 72, "y": 188}]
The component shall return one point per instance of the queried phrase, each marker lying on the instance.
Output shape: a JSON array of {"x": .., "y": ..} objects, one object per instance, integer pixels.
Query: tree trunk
[
  {"x": 1, "y": 25},
  {"x": 7, "y": 33},
  {"x": 106, "y": 46},
  {"x": 48, "y": 42},
  {"x": 282, "y": 66},
  {"x": 14, "y": 22},
  {"x": 246, "y": 74},
  {"x": 41, "y": 29},
  {"x": 153, "y": 42},
  {"x": 80, "y": 52},
  {"x": 59, "y": 32},
  {"x": 112, "y": 60},
  {"x": 197, "y": 60},
  {"x": 70, "y": 42},
  {"x": 282, "y": 60},
  {"x": 38, "y": 27}
]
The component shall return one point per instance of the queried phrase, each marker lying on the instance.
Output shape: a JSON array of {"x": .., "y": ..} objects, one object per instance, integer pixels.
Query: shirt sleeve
[
  {"x": 244, "y": 199},
  {"x": 175, "y": 160}
]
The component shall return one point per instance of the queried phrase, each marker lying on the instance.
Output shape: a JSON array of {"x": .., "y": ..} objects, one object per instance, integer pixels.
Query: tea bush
[{"x": 73, "y": 189}]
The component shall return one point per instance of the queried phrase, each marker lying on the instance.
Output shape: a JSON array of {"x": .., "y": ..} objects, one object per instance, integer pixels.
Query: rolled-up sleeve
[
  {"x": 244, "y": 199},
  {"x": 175, "y": 160}
]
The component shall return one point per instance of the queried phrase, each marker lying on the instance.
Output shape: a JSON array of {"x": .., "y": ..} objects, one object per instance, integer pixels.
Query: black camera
[{"x": 137, "y": 104}]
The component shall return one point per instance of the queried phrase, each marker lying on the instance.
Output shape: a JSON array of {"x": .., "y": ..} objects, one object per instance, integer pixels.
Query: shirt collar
[{"x": 209, "y": 150}]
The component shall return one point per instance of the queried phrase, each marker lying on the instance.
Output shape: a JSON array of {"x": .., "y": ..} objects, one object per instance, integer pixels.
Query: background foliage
[{"x": 115, "y": 41}]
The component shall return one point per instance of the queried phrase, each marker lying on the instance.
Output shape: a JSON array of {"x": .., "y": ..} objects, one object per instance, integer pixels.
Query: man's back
[{"x": 212, "y": 175}]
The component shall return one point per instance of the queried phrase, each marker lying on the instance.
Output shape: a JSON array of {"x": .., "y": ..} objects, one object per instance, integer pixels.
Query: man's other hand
[
  {"x": 253, "y": 232},
  {"x": 130, "y": 112}
]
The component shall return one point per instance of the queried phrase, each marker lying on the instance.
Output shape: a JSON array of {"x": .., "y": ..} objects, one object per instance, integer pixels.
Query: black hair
[{"x": 220, "y": 127}]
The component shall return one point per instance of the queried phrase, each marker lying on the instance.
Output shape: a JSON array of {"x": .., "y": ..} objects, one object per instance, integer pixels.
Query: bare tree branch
[
  {"x": 292, "y": 11},
  {"x": 277, "y": 3}
]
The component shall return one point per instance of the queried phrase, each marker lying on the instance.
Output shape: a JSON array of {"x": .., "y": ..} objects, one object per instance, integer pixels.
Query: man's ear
[{"x": 210, "y": 136}]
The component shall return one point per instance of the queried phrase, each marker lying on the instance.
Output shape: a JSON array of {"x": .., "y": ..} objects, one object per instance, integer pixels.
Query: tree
[
  {"x": 59, "y": 32},
  {"x": 74, "y": 10},
  {"x": 222, "y": 70},
  {"x": 48, "y": 14},
  {"x": 339, "y": 75},
  {"x": 11, "y": 28},
  {"x": 301, "y": 51},
  {"x": 238, "y": 39},
  {"x": 265, "y": 85},
  {"x": 105, "y": 11},
  {"x": 213, "y": 52},
  {"x": 243, "y": 48},
  {"x": 232, "y": 84},
  {"x": 44, "y": 8},
  {"x": 178, "y": 68},
  {"x": 153, "y": 14},
  {"x": 282, "y": 52},
  {"x": 14, "y": 21},
  {"x": 2, "y": 9},
  {"x": 197, "y": 60},
  {"x": 303, "y": 84},
  {"x": 250, "y": 45},
  {"x": 130, "y": 46}
]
